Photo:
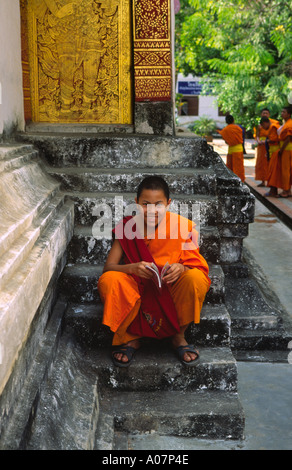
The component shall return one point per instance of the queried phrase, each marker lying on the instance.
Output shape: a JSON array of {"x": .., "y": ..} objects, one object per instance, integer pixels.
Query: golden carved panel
[{"x": 80, "y": 61}]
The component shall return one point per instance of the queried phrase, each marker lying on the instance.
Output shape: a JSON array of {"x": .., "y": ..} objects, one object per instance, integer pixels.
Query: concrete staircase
[{"x": 83, "y": 400}]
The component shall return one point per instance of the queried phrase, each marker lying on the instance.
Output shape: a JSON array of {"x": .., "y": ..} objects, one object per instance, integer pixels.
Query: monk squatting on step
[{"x": 135, "y": 306}]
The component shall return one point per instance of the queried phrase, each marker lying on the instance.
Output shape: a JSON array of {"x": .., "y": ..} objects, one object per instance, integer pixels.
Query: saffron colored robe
[
  {"x": 120, "y": 293},
  {"x": 261, "y": 166},
  {"x": 274, "y": 167},
  {"x": 286, "y": 158},
  {"x": 280, "y": 168},
  {"x": 232, "y": 134}
]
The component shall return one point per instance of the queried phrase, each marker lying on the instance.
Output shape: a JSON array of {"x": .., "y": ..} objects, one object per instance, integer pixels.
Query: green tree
[{"x": 244, "y": 48}]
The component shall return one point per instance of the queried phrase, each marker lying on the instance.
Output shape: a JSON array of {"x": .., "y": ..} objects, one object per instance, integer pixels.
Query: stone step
[
  {"x": 256, "y": 325},
  {"x": 247, "y": 306},
  {"x": 76, "y": 128},
  {"x": 122, "y": 151},
  {"x": 156, "y": 367},
  {"x": 201, "y": 209},
  {"x": 201, "y": 414},
  {"x": 229, "y": 214},
  {"x": 261, "y": 339},
  {"x": 85, "y": 322},
  {"x": 20, "y": 249},
  {"x": 117, "y": 180},
  {"x": 86, "y": 248},
  {"x": 16, "y": 160},
  {"x": 73, "y": 410},
  {"x": 205, "y": 211},
  {"x": 79, "y": 283},
  {"x": 25, "y": 192},
  {"x": 10, "y": 150},
  {"x": 17, "y": 415},
  {"x": 22, "y": 294},
  {"x": 68, "y": 409}
]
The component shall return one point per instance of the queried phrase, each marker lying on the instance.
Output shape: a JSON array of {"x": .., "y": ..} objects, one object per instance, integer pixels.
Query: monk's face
[
  {"x": 154, "y": 205},
  {"x": 285, "y": 115},
  {"x": 265, "y": 113}
]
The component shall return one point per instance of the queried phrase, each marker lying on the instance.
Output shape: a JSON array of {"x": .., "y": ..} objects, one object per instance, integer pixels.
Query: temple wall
[{"x": 11, "y": 97}]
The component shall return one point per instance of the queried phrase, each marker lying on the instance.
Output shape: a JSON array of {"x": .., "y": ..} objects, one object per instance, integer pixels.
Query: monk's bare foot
[
  {"x": 123, "y": 357},
  {"x": 179, "y": 340}
]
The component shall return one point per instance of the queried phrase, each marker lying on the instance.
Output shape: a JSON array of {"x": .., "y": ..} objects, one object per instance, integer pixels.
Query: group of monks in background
[{"x": 274, "y": 151}]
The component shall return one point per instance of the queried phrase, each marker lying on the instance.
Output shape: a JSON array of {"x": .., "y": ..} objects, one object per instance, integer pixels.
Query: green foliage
[
  {"x": 244, "y": 47},
  {"x": 203, "y": 126}
]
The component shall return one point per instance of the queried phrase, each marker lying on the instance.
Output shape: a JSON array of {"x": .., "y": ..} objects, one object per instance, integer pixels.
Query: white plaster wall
[
  {"x": 11, "y": 97},
  {"x": 207, "y": 105}
]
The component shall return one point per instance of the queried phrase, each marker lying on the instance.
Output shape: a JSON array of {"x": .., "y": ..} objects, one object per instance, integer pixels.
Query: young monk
[
  {"x": 262, "y": 160},
  {"x": 232, "y": 134},
  {"x": 134, "y": 307},
  {"x": 273, "y": 179},
  {"x": 285, "y": 152}
]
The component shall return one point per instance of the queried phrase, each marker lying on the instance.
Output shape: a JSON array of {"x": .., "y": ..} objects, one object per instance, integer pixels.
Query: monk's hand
[
  {"x": 173, "y": 273},
  {"x": 139, "y": 269}
]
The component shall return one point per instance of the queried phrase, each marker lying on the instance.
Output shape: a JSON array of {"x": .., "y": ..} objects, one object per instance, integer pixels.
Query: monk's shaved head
[{"x": 154, "y": 183}]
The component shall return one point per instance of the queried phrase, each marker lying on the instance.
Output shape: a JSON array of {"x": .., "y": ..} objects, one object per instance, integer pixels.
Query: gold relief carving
[{"x": 80, "y": 60}]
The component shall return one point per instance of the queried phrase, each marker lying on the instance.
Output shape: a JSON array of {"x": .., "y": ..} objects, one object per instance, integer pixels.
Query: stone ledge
[
  {"x": 180, "y": 181},
  {"x": 24, "y": 292},
  {"x": 11, "y": 150},
  {"x": 214, "y": 415},
  {"x": 20, "y": 399},
  {"x": 68, "y": 408},
  {"x": 85, "y": 248},
  {"x": 25, "y": 192},
  {"x": 79, "y": 283},
  {"x": 156, "y": 367},
  {"x": 123, "y": 151},
  {"x": 85, "y": 323},
  {"x": 205, "y": 207}
]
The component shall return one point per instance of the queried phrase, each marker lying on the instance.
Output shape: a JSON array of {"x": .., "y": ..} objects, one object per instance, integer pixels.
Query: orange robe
[
  {"x": 286, "y": 158},
  {"x": 261, "y": 166},
  {"x": 120, "y": 294},
  {"x": 232, "y": 134},
  {"x": 274, "y": 168}
]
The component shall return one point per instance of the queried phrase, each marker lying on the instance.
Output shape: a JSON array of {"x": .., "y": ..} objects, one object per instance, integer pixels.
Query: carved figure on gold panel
[
  {"x": 96, "y": 33},
  {"x": 77, "y": 43}
]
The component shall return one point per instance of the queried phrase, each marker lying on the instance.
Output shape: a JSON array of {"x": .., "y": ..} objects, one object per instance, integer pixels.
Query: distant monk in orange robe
[
  {"x": 262, "y": 160},
  {"x": 164, "y": 237},
  {"x": 232, "y": 134},
  {"x": 271, "y": 126},
  {"x": 285, "y": 152}
]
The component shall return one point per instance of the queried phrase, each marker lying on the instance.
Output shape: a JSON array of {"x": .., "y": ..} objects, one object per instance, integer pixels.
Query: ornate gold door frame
[{"x": 80, "y": 61}]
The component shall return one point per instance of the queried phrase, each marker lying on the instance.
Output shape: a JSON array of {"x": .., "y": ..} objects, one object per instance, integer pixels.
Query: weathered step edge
[
  {"x": 109, "y": 151},
  {"x": 16, "y": 432},
  {"x": 68, "y": 408},
  {"x": 156, "y": 367},
  {"x": 203, "y": 414},
  {"x": 79, "y": 282},
  {"x": 85, "y": 322}
]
